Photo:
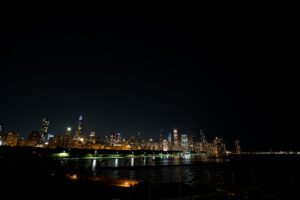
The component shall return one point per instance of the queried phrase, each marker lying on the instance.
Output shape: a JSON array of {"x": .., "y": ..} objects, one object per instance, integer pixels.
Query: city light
[{"x": 172, "y": 140}]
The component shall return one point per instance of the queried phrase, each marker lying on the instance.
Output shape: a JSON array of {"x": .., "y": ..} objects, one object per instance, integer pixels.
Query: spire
[{"x": 80, "y": 118}]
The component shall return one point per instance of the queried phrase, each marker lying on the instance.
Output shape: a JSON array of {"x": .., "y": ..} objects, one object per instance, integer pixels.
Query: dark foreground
[{"x": 37, "y": 176}]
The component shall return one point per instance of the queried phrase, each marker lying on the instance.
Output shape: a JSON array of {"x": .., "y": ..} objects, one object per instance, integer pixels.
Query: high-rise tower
[
  {"x": 176, "y": 139},
  {"x": 44, "y": 130},
  {"x": 79, "y": 133},
  {"x": 170, "y": 140},
  {"x": 161, "y": 139}
]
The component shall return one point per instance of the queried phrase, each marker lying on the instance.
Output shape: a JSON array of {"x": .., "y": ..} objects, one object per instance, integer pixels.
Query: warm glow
[{"x": 72, "y": 177}]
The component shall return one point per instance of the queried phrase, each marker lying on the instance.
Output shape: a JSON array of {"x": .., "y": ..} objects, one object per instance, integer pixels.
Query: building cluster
[{"x": 172, "y": 141}]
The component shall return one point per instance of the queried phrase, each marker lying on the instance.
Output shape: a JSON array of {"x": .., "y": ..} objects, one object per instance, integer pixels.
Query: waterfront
[
  {"x": 194, "y": 169},
  {"x": 186, "y": 175}
]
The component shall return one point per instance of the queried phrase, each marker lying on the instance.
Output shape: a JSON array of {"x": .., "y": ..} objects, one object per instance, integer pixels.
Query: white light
[
  {"x": 94, "y": 164},
  {"x": 69, "y": 129}
]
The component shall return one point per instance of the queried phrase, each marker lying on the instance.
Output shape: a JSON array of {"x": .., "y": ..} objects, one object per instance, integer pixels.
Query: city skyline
[
  {"x": 86, "y": 131},
  {"x": 76, "y": 139},
  {"x": 220, "y": 70}
]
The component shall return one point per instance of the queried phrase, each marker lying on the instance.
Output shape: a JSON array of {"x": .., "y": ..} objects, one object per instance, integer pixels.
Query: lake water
[{"x": 194, "y": 169}]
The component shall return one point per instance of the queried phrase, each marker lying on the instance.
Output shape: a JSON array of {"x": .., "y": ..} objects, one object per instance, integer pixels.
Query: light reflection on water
[
  {"x": 188, "y": 169},
  {"x": 116, "y": 162},
  {"x": 137, "y": 161}
]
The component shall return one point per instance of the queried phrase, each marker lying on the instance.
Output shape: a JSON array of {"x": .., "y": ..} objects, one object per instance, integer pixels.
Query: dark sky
[{"x": 222, "y": 69}]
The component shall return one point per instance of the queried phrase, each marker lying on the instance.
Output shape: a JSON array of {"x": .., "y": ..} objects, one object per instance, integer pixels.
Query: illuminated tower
[
  {"x": 170, "y": 141},
  {"x": 203, "y": 142},
  {"x": 191, "y": 143},
  {"x": 184, "y": 142},
  {"x": 67, "y": 138},
  {"x": 79, "y": 134},
  {"x": 92, "y": 137},
  {"x": 161, "y": 139},
  {"x": 176, "y": 139},
  {"x": 44, "y": 130}
]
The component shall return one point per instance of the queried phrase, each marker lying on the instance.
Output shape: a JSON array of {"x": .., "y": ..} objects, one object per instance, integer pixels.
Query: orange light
[{"x": 73, "y": 177}]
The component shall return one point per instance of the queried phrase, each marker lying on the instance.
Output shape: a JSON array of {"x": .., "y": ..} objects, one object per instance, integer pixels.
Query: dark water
[
  {"x": 248, "y": 171},
  {"x": 247, "y": 177}
]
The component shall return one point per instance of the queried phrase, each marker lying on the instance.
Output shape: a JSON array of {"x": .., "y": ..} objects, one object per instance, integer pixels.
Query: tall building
[
  {"x": 176, "y": 144},
  {"x": 112, "y": 139},
  {"x": 203, "y": 142},
  {"x": 191, "y": 143},
  {"x": 170, "y": 141},
  {"x": 33, "y": 139},
  {"x": 49, "y": 136},
  {"x": 184, "y": 142},
  {"x": 92, "y": 137},
  {"x": 79, "y": 134},
  {"x": 237, "y": 147},
  {"x": 161, "y": 135},
  {"x": 67, "y": 139},
  {"x": 218, "y": 147},
  {"x": 43, "y": 131},
  {"x": 165, "y": 145},
  {"x": 139, "y": 141}
]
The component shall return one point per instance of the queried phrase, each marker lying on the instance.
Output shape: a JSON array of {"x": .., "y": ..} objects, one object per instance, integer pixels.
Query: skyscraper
[
  {"x": 33, "y": 139},
  {"x": 170, "y": 141},
  {"x": 165, "y": 144},
  {"x": 79, "y": 134},
  {"x": 161, "y": 139},
  {"x": 191, "y": 143},
  {"x": 184, "y": 142},
  {"x": 43, "y": 131},
  {"x": 67, "y": 139},
  {"x": 176, "y": 139}
]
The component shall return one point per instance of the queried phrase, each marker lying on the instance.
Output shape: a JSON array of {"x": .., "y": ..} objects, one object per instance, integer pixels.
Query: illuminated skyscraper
[
  {"x": 191, "y": 143},
  {"x": 43, "y": 131},
  {"x": 33, "y": 139},
  {"x": 184, "y": 142},
  {"x": 203, "y": 142},
  {"x": 92, "y": 137},
  {"x": 165, "y": 144},
  {"x": 161, "y": 139},
  {"x": 218, "y": 147},
  {"x": 49, "y": 136},
  {"x": 79, "y": 134},
  {"x": 67, "y": 139},
  {"x": 176, "y": 138},
  {"x": 170, "y": 141}
]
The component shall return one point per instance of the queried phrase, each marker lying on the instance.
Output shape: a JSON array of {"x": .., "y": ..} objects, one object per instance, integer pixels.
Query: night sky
[{"x": 220, "y": 69}]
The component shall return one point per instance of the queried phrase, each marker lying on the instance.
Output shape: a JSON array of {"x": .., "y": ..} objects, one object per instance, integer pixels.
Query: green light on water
[{"x": 61, "y": 155}]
